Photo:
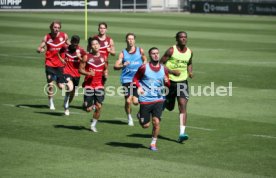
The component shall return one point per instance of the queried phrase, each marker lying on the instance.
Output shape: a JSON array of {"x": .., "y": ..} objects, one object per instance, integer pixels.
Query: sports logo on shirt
[
  {"x": 102, "y": 59},
  {"x": 91, "y": 60},
  {"x": 60, "y": 39},
  {"x": 105, "y": 43}
]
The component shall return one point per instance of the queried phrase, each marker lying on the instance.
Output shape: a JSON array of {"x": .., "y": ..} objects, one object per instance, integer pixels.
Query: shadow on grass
[
  {"x": 51, "y": 113},
  {"x": 127, "y": 145},
  {"x": 72, "y": 127},
  {"x": 118, "y": 122},
  {"x": 76, "y": 107},
  {"x": 32, "y": 106},
  {"x": 149, "y": 136}
]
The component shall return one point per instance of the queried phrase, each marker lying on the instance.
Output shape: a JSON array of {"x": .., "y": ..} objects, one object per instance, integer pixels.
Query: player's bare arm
[
  {"x": 144, "y": 57},
  {"x": 80, "y": 54},
  {"x": 111, "y": 49},
  {"x": 67, "y": 41},
  {"x": 166, "y": 57},
  {"x": 166, "y": 78},
  {"x": 82, "y": 67},
  {"x": 105, "y": 73},
  {"x": 60, "y": 58},
  {"x": 41, "y": 47},
  {"x": 119, "y": 63},
  {"x": 190, "y": 67}
]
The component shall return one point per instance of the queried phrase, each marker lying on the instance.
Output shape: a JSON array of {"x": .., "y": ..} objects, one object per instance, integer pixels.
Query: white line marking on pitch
[
  {"x": 27, "y": 57},
  {"x": 263, "y": 136},
  {"x": 201, "y": 128},
  {"x": 192, "y": 127},
  {"x": 124, "y": 119},
  {"x": 59, "y": 111},
  {"x": 11, "y": 105},
  {"x": 27, "y": 107}
]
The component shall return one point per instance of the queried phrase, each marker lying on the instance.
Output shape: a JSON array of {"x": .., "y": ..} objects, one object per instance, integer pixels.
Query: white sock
[
  {"x": 153, "y": 141},
  {"x": 51, "y": 101},
  {"x": 66, "y": 100},
  {"x": 182, "y": 129},
  {"x": 94, "y": 122},
  {"x": 129, "y": 117},
  {"x": 182, "y": 126},
  {"x": 181, "y": 119}
]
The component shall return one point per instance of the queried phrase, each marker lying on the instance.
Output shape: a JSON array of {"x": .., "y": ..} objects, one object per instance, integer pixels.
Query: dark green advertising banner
[
  {"x": 59, "y": 4},
  {"x": 233, "y": 8}
]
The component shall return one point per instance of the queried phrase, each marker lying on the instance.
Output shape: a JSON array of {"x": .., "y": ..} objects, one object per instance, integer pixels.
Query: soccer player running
[
  {"x": 53, "y": 42},
  {"x": 129, "y": 60},
  {"x": 178, "y": 60},
  {"x": 151, "y": 78},
  {"x": 71, "y": 56},
  {"x": 106, "y": 42},
  {"x": 94, "y": 68}
]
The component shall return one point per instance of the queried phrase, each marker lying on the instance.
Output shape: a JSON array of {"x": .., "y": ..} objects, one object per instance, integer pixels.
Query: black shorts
[
  {"x": 177, "y": 89},
  {"x": 55, "y": 74},
  {"x": 150, "y": 110},
  {"x": 130, "y": 90},
  {"x": 91, "y": 96},
  {"x": 75, "y": 80}
]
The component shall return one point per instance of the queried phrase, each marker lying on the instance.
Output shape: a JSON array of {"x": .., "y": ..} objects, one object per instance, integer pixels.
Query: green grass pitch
[{"x": 230, "y": 136}]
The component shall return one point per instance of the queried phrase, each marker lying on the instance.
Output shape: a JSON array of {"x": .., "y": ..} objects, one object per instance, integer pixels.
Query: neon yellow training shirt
[{"x": 179, "y": 61}]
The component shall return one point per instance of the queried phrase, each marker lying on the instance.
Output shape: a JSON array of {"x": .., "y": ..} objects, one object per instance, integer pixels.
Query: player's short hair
[
  {"x": 90, "y": 39},
  {"x": 178, "y": 33},
  {"x": 55, "y": 21},
  {"x": 132, "y": 34},
  {"x": 75, "y": 38},
  {"x": 102, "y": 23},
  {"x": 153, "y": 48}
]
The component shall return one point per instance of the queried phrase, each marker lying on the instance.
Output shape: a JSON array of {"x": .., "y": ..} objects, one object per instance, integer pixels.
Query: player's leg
[
  {"x": 50, "y": 77},
  {"x": 135, "y": 95},
  {"x": 60, "y": 78},
  {"x": 144, "y": 115},
  {"x": 135, "y": 100},
  {"x": 182, "y": 105},
  {"x": 157, "y": 109},
  {"x": 75, "y": 81},
  {"x": 155, "y": 133},
  {"x": 68, "y": 89},
  {"x": 97, "y": 113},
  {"x": 99, "y": 98},
  {"x": 88, "y": 99},
  {"x": 96, "y": 116},
  {"x": 50, "y": 92},
  {"x": 128, "y": 102},
  {"x": 170, "y": 98},
  {"x": 182, "y": 101},
  {"x": 128, "y": 109}
]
